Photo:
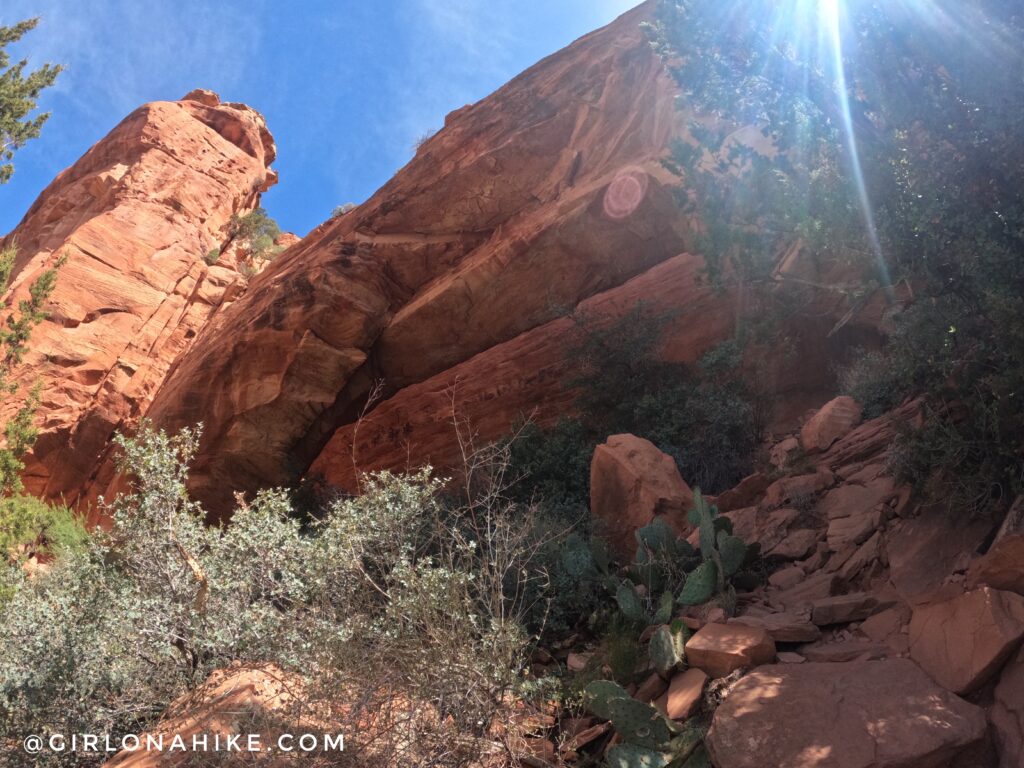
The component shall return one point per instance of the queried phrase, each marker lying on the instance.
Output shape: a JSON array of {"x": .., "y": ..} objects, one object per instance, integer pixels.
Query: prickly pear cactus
[
  {"x": 700, "y": 585},
  {"x": 639, "y": 723},
  {"x": 599, "y": 695},
  {"x": 629, "y": 602},
  {"x": 732, "y": 552},
  {"x": 635, "y": 756},
  {"x": 664, "y": 651},
  {"x": 664, "y": 613}
]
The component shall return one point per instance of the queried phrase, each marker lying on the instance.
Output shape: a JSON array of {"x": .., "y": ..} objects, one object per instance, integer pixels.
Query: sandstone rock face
[
  {"x": 133, "y": 218},
  {"x": 1008, "y": 714},
  {"x": 521, "y": 377},
  {"x": 453, "y": 285},
  {"x": 1002, "y": 567},
  {"x": 631, "y": 483},
  {"x": 867, "y": 714},
  {"x": 546, "y": 192},
  {"x": 962, "y": 642},
  {"x": 835, "y": 420},
  {"x": 720, "y": 649}
]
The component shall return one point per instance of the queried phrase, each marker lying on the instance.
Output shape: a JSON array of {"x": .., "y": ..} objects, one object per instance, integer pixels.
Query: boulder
[
  {"x": 782, "y": 627},
  {"x": 845, "y": 651},
  {"x": 796, "y": 545},
  {"x": 1002, "y": 567},
  {"x": 720, "y": 649},
  {"x": 842, "y": 609},
  {"x": 925, "y": 550},
  {"x": 815, "y": 587},
  {"x": 652, "y": 688},
  {"x": 797, "y": 488},
  {"x": 782, "y": 451},
  {"x": 1007, "y": 714},
  {"x": 865, "y": 714},
  {"x": 745, "y": 494},
  {"x": 787, "y": 577},
  {"x": 631, "y": 483},
  {"x": 684, "y": 694},
  {"x": 833, "y": 420},
  {"x": 855, "y": 511},
  {"x": 964, "y": 641}
]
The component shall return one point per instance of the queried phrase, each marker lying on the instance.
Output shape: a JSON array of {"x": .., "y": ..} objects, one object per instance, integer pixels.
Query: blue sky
[{"x": 346, "y": 86}]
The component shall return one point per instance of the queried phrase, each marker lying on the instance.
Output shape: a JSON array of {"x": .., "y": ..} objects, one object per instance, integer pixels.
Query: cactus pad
[
  {"x": 700, "y": 584},
  {"x": 639, "y": 723}
]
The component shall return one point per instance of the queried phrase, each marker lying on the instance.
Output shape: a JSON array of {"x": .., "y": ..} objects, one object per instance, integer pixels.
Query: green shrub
[
  {"x": 395, "y": 590},
  {"x": 259, "y": 231},
  {"x": 933, "y": 196},
  {"x": 342, "y": 209},
  {"x": 28, "y": 521},
  {"x": 705, "y": 416},
  {"x": 20, "y": 431},
  {"x": 212, "y": 256}
]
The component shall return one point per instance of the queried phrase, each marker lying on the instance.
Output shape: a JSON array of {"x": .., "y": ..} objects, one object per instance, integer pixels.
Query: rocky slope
[{"x": 133, "y": 219}]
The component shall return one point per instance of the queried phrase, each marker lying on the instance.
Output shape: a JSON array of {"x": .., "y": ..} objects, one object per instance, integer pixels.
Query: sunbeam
[{"x": 831, "y": 19}]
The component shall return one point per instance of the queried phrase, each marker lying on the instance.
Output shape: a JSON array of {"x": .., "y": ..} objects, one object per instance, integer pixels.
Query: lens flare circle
[{"x": 625, "y": 193}]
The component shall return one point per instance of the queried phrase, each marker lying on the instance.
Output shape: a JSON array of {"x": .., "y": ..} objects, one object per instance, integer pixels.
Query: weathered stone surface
[
  {"x": 493, "y": 389},
  {"x": 797, "y": 545},
  {"x": 870, "y": 714},
  {"x": 781, "y": 452},
  {"x": 962, "y": 642},
  {"x": 815, "y": 587},
  {"x": 925, "y": 550},
  {"x": 787, "y": 577},
  {"x": 845, "y": 651},
  {"x": 720, "y": 649},
  {"x": 1007, "y": 714},
  {"x": 782, "y": 627},
  {"x": 842, "y": 609},
  {"x": 797, "y": 488},
  {"x": 134, "y": 218},
  {"x": 746, "y": 494},
  {"x": 683, "y": 696},
  {"x": 866, "y": 554},
  {"x": 883, "y": 625},
  {"x": 1002, "y": 567},
  {"x": 631, "y": 483},
  {"x": 834, "y": 420},
  {"x": 652, "y": 688},
  {"x": 855, "y": 512},
  {"x": 511, "y": 212}
]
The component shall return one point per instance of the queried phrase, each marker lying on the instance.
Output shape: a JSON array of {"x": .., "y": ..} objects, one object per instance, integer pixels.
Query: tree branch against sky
[{"x": 18, "y": 95}]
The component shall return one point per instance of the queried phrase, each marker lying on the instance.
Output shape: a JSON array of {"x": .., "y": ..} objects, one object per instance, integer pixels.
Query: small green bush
[
  {"x": 705, "y": 416},
  {"x": 30, "y": 522},
  {"x": 259, "y": 231},
  {"x": 342, "y": 209},
  {"x": 212, "y": 256},
  {"x": 397, "y": 590}
]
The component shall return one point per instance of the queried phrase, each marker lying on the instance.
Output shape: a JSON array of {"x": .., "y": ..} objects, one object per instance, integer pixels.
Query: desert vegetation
[{"x": 936, "y": 167}]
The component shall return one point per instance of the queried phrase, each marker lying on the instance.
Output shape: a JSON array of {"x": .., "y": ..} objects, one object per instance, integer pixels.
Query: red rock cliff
[
  {"x": 134, "y": 218},
  {"x": 456, "y": 277},
  {"x": 546, "y": 196}
]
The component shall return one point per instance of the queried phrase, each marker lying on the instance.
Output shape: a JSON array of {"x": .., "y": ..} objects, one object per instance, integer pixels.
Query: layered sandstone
[
  {"x": 133, "y": 219},
  {"x": 452, "y": 286}
]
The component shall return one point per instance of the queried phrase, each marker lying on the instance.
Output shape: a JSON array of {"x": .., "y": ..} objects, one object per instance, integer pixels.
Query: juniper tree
[{"x": 18, "y": 94}]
